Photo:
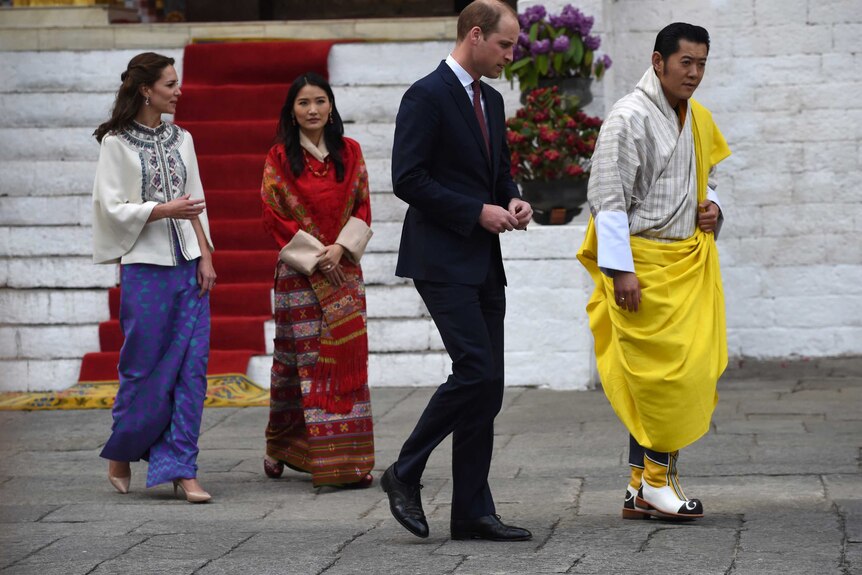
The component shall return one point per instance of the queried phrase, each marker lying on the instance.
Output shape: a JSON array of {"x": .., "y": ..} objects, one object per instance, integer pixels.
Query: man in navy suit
[{"x": 450, "y": 163}]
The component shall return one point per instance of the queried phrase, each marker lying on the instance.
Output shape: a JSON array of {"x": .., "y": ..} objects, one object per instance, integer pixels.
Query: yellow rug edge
[{"x": 223, "y": 390}]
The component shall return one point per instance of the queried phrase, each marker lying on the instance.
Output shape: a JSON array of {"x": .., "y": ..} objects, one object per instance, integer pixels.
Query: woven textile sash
[{"x": 342, "y": 363}]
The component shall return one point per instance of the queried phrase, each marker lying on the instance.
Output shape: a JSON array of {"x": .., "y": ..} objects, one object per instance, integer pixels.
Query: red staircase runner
[{"x": 232, "y": 94}]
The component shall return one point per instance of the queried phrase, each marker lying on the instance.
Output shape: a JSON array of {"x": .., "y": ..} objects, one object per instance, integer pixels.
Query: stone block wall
[
  {"x": 53, "y": 297},
  {"x": 784, "y": 83}
]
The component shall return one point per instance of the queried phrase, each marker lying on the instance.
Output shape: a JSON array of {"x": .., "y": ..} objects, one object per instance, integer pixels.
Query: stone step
[
  {"x": 46, "y": 210},
  {"x": 547, "y": 243},
  {"x": 78, "y": 210},
  {"x": 385, "y": 370},
  {"x": 356, "y": 104},
  {"x": 27, "y": 241},
  {"x": 38, "y": 374},
  {"x": 50, "y": 306},
  {"x": 73, "y": 341},
  {"x": 34, "y": 307},
  {"x": 79, "y": 272},
  {"x": 77, "y": 143},
  {"x": 99, "y": 70},
  {"x": 572, "y": 369},
  {"x": 75, "y": 177},
  {"x": 70, "y": 71}
]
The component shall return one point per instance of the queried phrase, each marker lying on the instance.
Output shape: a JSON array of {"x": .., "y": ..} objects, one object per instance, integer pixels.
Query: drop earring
[
  {"x": 147, "y": 101},
  {"x": 331, "y": 121}
]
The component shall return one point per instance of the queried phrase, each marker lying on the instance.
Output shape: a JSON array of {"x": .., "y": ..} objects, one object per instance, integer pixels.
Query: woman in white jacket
[{"x": 148, "y": 215}]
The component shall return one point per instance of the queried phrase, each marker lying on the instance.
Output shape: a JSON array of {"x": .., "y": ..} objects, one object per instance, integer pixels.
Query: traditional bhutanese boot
[
  {"x": 660, "y": 493},
  {"x": 630, "y": 511}
]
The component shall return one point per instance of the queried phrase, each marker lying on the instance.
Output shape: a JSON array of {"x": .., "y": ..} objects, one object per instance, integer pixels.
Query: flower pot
[
  {"x": 577, "y": 87},
  {"x": 555, "y": 202}
]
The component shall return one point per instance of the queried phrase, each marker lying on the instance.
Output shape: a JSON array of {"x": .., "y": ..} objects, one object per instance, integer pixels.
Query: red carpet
[{"x": 232, "y": 94}]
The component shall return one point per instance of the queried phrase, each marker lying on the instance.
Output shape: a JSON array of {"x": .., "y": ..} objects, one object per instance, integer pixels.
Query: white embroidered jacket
[{"x": 139, "y": 168}]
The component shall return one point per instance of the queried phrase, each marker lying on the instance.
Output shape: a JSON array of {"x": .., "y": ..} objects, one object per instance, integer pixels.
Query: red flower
[
  {"x": 574, "y": 170},
  {"x": 550, "y": 138}
]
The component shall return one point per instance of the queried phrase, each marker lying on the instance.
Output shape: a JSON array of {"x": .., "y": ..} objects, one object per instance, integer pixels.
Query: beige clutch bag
[
  {"x": 301, "y": 252},
  {"x": 354, "y": 238}
]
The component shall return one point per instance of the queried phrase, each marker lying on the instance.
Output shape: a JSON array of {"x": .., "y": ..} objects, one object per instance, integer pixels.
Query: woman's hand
[
  {"x": 182, "y": 208},
  {"x": 206, "y": 274},
  {"x": 328, "y": 261}
]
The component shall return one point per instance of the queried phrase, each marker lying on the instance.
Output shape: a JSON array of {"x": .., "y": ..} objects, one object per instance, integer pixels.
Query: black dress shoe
[
  {"x": 489, "y": 527},
  {"x": 405, "y": 503}
]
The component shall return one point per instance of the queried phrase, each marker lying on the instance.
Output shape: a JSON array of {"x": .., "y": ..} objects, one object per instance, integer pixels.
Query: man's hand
[
  {"x": 627, "y": 290},
  {"x": 522, "y": 211},
  {"x": 707, "y": 216},
  {"x": 496, "y": 219}
]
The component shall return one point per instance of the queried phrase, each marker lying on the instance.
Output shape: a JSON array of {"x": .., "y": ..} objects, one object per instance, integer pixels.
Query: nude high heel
[
  {"x": 191, "y": 496},
  {"x": 121, "y": 484}
]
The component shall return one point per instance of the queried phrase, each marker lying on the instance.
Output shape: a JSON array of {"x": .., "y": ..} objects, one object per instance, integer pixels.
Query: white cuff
[
  {"x": 615, "y": 248},
  {"x": 354, "y": 237}
]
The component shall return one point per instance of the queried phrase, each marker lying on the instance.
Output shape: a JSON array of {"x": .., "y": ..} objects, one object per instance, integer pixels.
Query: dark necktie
[{"x": 480, "y": 115}]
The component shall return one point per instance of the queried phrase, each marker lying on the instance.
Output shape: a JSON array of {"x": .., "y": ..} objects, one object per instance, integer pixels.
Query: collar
[
  {"x": 650, "y": 85},
  {"x": 318, "y": 152},
  {"x": 157, "y": 131},
  {"x": 463, "y": 76}
]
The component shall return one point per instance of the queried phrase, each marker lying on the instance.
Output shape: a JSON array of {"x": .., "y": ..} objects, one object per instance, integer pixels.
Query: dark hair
[
  {"x": 288, "y": 129},
  {"x": 485, "y": 14},
  {"x": 143, "y": 70},
  {"x": 667, "y": 41}
]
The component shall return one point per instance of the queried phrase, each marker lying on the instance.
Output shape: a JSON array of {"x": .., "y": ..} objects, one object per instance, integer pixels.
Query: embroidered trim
[{"x": 163, "y": 172}]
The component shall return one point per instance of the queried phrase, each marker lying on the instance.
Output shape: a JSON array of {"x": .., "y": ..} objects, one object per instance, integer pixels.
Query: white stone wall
[
  {"x": 52, "y": 297},
  {"x": 784, "y": 83}
]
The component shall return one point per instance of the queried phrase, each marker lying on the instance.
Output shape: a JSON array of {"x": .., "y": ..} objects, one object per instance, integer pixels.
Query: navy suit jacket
[{"x": 440, "y": 168}]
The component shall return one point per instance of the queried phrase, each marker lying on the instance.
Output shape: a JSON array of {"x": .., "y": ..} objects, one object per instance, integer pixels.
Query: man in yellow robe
[{"x": 657, "y": 313}]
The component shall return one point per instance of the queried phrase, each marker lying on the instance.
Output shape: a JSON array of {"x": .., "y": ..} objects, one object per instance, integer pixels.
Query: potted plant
[
  {"x": 551, "y": 141},
  {"x": 557, "y": 49}
]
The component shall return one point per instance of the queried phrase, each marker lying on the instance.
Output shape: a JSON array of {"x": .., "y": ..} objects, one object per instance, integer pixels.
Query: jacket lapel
[{"x": 465, "y": 106}]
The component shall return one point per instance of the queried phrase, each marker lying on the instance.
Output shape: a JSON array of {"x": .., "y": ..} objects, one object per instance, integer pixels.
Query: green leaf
[
  {"x": 558, "y": 63},
  {"x": 576, "y": 51},
  {"x": 534, "y": 32},
  {"x": 543, "y": 63},
  {"x": 532, "y": 79},
  {"x": 515, "y": 66}
]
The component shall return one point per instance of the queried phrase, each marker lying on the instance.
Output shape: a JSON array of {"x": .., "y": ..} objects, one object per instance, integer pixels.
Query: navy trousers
[{"x": 470, "y": 321}]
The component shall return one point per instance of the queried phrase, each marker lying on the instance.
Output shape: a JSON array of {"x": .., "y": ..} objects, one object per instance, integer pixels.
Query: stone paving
[{"x": 779, "y": 475}]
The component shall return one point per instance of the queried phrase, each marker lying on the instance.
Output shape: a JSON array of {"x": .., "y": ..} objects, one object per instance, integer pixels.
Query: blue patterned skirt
[{"x": 162, "y": 370}]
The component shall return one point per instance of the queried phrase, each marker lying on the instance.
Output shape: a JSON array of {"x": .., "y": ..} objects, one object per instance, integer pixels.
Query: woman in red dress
[{"x": 316, "y": 204}]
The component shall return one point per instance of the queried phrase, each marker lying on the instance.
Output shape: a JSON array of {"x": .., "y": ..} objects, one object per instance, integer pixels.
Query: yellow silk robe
[{"x": 659, "y": 366}]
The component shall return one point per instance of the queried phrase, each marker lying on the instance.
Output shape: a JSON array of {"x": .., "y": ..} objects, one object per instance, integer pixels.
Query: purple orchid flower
[
  {"x": 561, "y": 44},
  {"x": 540, "y": 47}
]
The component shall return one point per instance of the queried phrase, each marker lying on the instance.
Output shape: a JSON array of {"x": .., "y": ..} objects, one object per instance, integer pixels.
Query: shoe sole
[
  {"x": 384, "y": 484},
  {"x": 473, "y": 536},
  {"x": 644, "y": 507},
  {"x": 635, "y": 513}
]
